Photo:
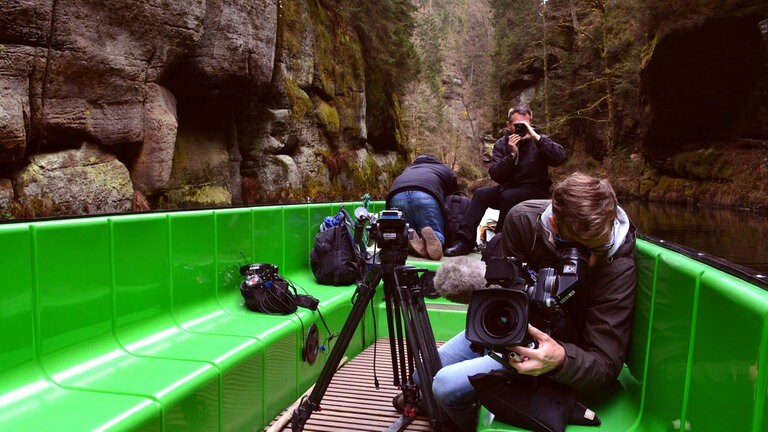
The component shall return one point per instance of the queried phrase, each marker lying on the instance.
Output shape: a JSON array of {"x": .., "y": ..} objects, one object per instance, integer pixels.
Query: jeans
[
  {"x": 493, "y": 197},
  {"x": 451, "y": 387},
  {"x": 421, "y": 210}
]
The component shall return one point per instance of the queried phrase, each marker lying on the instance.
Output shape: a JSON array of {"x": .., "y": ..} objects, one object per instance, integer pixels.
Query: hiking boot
[
  {"x": 458, "y": 248},
  {"x": 432, "y": 243},
  {"x": 416, "y": 244}
]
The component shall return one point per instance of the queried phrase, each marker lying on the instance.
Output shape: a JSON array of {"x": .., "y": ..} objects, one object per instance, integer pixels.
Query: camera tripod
[{"x": 404, "y": 304}]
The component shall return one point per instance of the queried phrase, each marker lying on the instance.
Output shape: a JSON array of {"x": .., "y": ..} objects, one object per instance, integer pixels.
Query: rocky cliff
[
  {"x": 154, "y": 104},
  {"x": 667, "y": 99}
]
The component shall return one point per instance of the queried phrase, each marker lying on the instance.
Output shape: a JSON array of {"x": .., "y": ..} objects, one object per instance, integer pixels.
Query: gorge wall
[
  {"x": 201, "y": 103},
  {"x": 668, "y": 99}
]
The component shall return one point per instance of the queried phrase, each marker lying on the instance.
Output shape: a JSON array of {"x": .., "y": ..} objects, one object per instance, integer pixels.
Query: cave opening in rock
[{"x": 700, "y": 83}]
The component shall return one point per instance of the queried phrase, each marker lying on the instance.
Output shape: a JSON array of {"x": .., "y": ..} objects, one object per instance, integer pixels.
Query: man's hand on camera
[
  {"x": 549, "y": 355},
  {"x": 513, "y": 140},
  {"x": 532, "y": 133}
]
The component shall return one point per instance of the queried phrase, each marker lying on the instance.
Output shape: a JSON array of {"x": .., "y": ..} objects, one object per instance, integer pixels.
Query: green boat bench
[{"x": 135, "y": 322}]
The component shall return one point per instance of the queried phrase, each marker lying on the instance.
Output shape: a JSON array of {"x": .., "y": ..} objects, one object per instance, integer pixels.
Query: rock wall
[
  {"x": 197, "y": 103},
  {"x": 705, "y": 116}
]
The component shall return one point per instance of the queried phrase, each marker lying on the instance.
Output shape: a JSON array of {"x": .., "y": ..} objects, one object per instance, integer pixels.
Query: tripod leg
[
  {"x": 398, "y": 352},
  {"x": 311, "y": 403},
  {"x": 393, "y": 314},
  {"x": 421, "y": 342}
]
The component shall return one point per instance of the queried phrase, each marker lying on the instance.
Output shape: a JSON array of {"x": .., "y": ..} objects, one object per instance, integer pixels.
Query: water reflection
[{"x": 738, "y": 236}]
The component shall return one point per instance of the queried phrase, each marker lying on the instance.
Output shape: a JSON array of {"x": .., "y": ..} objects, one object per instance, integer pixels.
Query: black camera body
[
  {"x": 521, "y": 130},
  {"x": 391, "y": 229},
  {"x": 498, "y": 316}
]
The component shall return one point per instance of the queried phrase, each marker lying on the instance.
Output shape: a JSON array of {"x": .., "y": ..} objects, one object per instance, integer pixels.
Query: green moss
[
  {"x": 328, "y": 117},
  {"x": 706, "y": 164},
  {"x": 196, "y": 197},
  {"x": 400, "y": 134},
  {"x": 301, "y": 103},
  {"x": 292, "y": 28}
]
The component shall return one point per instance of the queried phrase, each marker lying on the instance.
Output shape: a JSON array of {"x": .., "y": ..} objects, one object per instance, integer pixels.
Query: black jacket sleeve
[
  {"x": 597, "y": 360},
  {"x": 552, "y": 152},
  {"x": 503, "y": 163}
]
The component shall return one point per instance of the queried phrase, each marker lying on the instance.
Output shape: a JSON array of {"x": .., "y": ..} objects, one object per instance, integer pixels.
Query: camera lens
[{"x": 500, "y": 320}]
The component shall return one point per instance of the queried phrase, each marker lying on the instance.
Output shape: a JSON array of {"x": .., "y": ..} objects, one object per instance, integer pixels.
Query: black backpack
[
  {"x": 335, "y": 259},
  {"x": 455, "y": 207}
]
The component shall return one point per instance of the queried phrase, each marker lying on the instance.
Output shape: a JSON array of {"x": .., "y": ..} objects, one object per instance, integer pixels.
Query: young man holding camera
[
  {"x": 519, "y": 166},
  {"x": 589, "y": 353}
]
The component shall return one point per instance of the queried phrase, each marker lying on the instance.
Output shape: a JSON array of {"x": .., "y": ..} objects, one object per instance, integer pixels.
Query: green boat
[{"x": 136, "y": 323}]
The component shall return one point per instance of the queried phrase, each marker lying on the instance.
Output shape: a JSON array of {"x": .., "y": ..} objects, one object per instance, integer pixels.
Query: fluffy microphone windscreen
[{"x": 457, "y": 278}]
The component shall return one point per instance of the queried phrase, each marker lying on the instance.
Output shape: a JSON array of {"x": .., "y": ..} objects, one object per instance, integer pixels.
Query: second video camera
[
  {"x": 390, "y": 230},
  {"x": 498, "y": 317}
]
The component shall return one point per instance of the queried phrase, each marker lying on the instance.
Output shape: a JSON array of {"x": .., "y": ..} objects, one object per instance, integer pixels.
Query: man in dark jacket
[
  {"x": 520, "y": 167},
  {"x": 589, "y": 353},
  {"x": 420, "y": 191}
]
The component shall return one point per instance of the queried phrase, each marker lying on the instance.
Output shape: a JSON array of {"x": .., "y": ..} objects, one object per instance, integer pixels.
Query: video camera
[
  {"x": 388, "y": 229},
  {"x": 498, "y": 317}
]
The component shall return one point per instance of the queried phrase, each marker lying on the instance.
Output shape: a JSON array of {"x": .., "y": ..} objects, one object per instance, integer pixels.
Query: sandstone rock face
[
  {"x": 19, "y": 68},
  {"x": 199, "y": 99},
  {"x": 6, "y": 197},
  {"x": 152, "y": 168},
  {"x": 84, "y": 181}
]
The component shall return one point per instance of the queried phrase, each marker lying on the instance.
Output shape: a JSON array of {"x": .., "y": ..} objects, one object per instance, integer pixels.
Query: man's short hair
[
  {"x": 584, "y": 206},
  {"x": 519, "y": 109}
]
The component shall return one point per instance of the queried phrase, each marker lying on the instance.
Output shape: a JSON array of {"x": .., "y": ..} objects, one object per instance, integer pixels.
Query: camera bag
[
  {"x": 273, "y": 297},
  {"x": 456, "y": 205},
  {"x": 335, "y": 260},
  {"x": 535, "y": 403}
]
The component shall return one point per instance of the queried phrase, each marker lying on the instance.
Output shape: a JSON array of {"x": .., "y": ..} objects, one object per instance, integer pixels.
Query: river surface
[{"x": 740, "y": 237}]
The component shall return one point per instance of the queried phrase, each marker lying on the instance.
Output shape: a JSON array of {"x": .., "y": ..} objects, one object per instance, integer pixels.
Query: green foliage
[
  {"x": 576, "y": 62},
  {"x": 468, "y": 170},
  {"x": 429, "y": 34},
  {"x": 385, "y": 29}
]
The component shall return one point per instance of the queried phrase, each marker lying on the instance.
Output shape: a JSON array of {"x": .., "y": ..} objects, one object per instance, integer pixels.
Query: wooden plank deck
[{"x": 352, "y": 402}]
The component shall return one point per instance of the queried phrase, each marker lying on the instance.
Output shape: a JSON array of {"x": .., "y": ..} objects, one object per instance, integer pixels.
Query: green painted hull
[{"x": 135, "y": 322}]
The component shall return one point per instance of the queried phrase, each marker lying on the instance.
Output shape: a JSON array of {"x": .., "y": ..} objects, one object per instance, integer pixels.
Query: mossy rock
[
  {"x": 301, "y": 103},
  {"x": 328, "y": 117},
  {"x": 703, "y": 164},
  {"x": 197, "y": 197}
]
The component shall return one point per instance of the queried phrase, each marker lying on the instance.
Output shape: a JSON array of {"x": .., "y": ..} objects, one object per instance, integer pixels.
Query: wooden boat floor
[{"x": 352, "y": 402}]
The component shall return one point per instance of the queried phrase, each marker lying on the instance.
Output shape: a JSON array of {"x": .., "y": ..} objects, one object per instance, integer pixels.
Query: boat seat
[
  {"x": 76, "y": 343},
  {"x": 138, "y": 321},
  {"x": 28, "y": 396}
]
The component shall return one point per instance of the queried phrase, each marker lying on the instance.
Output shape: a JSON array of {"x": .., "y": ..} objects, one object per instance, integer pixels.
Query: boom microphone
[{"x": 457, "y": 278}]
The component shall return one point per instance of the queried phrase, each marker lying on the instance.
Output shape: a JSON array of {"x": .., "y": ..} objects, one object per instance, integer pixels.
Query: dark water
[{"x": 740, "y": 237}]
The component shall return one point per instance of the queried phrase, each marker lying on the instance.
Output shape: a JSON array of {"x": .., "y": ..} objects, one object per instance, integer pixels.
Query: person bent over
[{"x": 419, "y": 192}]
